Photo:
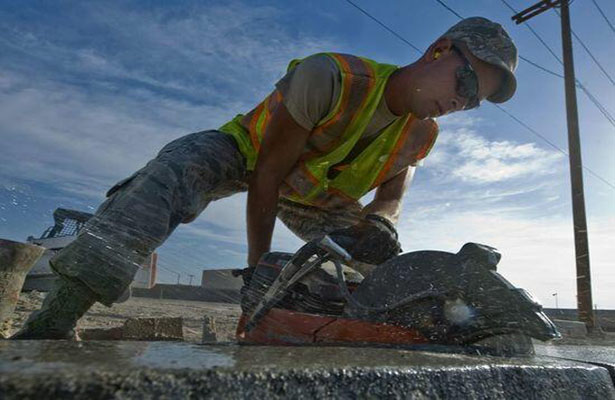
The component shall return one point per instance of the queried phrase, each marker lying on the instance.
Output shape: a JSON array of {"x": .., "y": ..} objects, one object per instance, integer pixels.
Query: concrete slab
[
  {"x": 147, "y": 329},
  {"x": 46, "y": 369},
  {"x": 602, "y": 356},
  {"x": 165, "y": 328},
  {"x": 571, "y": 328}
]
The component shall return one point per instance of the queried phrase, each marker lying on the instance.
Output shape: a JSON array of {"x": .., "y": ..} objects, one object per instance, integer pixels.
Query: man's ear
[{"x": 438, "y": 48}]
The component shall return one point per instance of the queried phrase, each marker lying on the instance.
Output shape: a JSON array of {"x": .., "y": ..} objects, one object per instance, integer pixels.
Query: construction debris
[
  {"x": 210, "y": 334},
  {"x": 16, "y": 259},
  {"x": 153, "y": 329},
  {"x": 138, "y": 329},
  {"x": 573, "y": 329}
]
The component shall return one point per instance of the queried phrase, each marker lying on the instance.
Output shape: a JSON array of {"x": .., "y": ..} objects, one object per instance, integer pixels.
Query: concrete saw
[{"x": 414, "y": 299}]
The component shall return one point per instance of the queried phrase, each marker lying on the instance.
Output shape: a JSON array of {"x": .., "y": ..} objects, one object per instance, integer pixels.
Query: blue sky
[{"x": 90, "y": 91}]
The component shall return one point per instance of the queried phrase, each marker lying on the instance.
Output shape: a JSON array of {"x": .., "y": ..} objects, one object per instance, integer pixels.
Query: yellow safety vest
[{"x": 396, "y": 147}]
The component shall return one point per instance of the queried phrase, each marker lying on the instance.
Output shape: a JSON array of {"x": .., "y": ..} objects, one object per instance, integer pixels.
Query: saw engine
[{"x": 417, "y": 298}]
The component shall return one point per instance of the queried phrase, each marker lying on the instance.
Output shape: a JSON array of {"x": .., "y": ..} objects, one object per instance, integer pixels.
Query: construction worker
[{"x": 336, "y": 127}]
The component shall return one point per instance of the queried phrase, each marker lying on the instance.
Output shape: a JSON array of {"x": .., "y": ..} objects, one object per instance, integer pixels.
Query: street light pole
[{"x": 556, "y": 305}]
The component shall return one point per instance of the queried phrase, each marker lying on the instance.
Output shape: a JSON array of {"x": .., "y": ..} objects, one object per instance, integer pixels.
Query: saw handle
[{"x": 297, "y": 266}]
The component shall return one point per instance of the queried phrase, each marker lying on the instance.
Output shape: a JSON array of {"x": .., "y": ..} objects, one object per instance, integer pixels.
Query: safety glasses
[{"x": 467, "y": 82}]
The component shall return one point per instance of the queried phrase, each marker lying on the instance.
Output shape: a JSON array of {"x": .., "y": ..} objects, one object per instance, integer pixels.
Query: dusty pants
[{"x": 141, "y": 211}]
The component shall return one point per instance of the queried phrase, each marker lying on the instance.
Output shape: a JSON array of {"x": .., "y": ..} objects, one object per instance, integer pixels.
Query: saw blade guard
[{"x": 471, "y": 300}]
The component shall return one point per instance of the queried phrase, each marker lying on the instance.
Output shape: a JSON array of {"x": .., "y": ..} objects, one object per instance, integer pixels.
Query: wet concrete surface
[
  {"x": 99, "y": 369},
  {"x": 603, "y": 356}
]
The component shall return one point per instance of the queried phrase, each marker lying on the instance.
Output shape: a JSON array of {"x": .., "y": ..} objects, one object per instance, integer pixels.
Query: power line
[
  {"x": 443, "y": 4},
  {"x": 535, "y": 34},
  {"x": 541, "y": 67},
  {"x": 174, "y": 255},
  {"x": 589, "y": 95},
  {"x": 529, "y": 128},
  {"x": 499, "y": 107},
  {"x": 171, "y": 271},
  {"x": 179, "y": 269},
  {"x": 604, "y": 16},
  {"x": 589, "y": 52},
  {"x": 168, "y": 269},
  {"x": 600, "y": 107},
  {"x": 384, "y": 26},
  {"x": 578, "y": 83},
  {"x": 587, "y": 92}
]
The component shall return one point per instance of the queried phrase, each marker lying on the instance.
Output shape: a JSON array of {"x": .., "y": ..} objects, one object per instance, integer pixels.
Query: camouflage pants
[{"x": 141, "y": 211}]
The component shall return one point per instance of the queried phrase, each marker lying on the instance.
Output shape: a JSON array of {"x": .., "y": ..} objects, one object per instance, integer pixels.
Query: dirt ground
[{"x": 192, "y": 312}]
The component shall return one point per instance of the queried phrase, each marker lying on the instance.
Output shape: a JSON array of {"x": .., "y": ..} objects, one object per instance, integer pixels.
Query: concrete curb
[
  {"x": 571, "y": 328},
  {"x": 16, "y": 259},
  {"x": 601, "y": 356},
  {"x": 70, "y": 370}
]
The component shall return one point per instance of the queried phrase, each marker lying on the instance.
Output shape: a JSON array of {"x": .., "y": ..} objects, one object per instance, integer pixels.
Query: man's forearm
[
  {"x": 388, "y": 199},
  {"x": 261, "y": 209},
  {"x": 389, "y": 209}
]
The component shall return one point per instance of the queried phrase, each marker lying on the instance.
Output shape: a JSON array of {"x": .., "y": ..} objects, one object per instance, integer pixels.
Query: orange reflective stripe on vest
[{"x": 357, "y": 81}]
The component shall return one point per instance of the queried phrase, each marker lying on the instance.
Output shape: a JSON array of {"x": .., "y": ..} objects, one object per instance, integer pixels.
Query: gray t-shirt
[{"x": 310, "y": 92}]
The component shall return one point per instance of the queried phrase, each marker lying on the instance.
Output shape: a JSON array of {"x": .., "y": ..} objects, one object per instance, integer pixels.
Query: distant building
[
  {"x": 217, "y": 285},
  {"x": 222, "y": 284},
  {"x": 220, "y": 279}
]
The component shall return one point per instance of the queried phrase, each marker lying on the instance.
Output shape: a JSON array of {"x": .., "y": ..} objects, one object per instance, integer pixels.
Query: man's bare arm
[
  {"x": 387, "y": 202},
  {"x": 388, "y": 198},
  {"x": 282, "y": 145}
]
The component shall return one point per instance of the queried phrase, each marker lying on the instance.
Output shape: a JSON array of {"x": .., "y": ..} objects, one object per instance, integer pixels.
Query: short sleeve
[{"x": 310, "y": 90}]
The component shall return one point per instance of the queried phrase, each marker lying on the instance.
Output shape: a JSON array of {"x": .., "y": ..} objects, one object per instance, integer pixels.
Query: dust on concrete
[
  {"x": 101, "y": 317},
  {"x": 175, "y": 370}
]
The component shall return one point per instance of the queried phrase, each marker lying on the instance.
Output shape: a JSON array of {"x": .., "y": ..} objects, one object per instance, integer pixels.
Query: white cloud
[
  {"x": 459, "y": 120},
  {"x": 81, "y": 115},
  {"x": 243, "y": 45},
  {"x": 467, "y": 156},
  {"x": 59, "y": 134},
  {"x": 229, "y": 216},
  {"x": 508, "y": 195},
  {"x": 537, "y": 252}
]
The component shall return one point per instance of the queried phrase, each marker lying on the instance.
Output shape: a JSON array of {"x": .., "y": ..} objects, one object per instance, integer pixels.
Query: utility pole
[
  {"x": 584, "y": 290},
  {"x": 191, "y": 276}
]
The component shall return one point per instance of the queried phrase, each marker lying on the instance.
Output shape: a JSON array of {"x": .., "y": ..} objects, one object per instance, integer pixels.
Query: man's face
[{"x": 436, "y": 90}]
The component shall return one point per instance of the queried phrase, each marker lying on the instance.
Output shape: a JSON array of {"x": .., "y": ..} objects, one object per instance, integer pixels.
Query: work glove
[
  {"x": 371, "y": 241},
  {"x": 245, "y": 273}
]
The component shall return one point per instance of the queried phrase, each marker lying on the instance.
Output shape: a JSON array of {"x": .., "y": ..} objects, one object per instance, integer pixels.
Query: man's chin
[
  {"x": 421, "y": 111},
  {"x": 424, "y": 114}
]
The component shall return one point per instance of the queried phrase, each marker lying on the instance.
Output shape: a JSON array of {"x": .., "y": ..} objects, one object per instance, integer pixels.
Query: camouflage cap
[{"x": 489, "y": 42}]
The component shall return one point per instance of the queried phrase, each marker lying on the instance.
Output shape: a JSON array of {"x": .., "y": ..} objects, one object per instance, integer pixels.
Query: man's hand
[{"x": 372, "y": 241}]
